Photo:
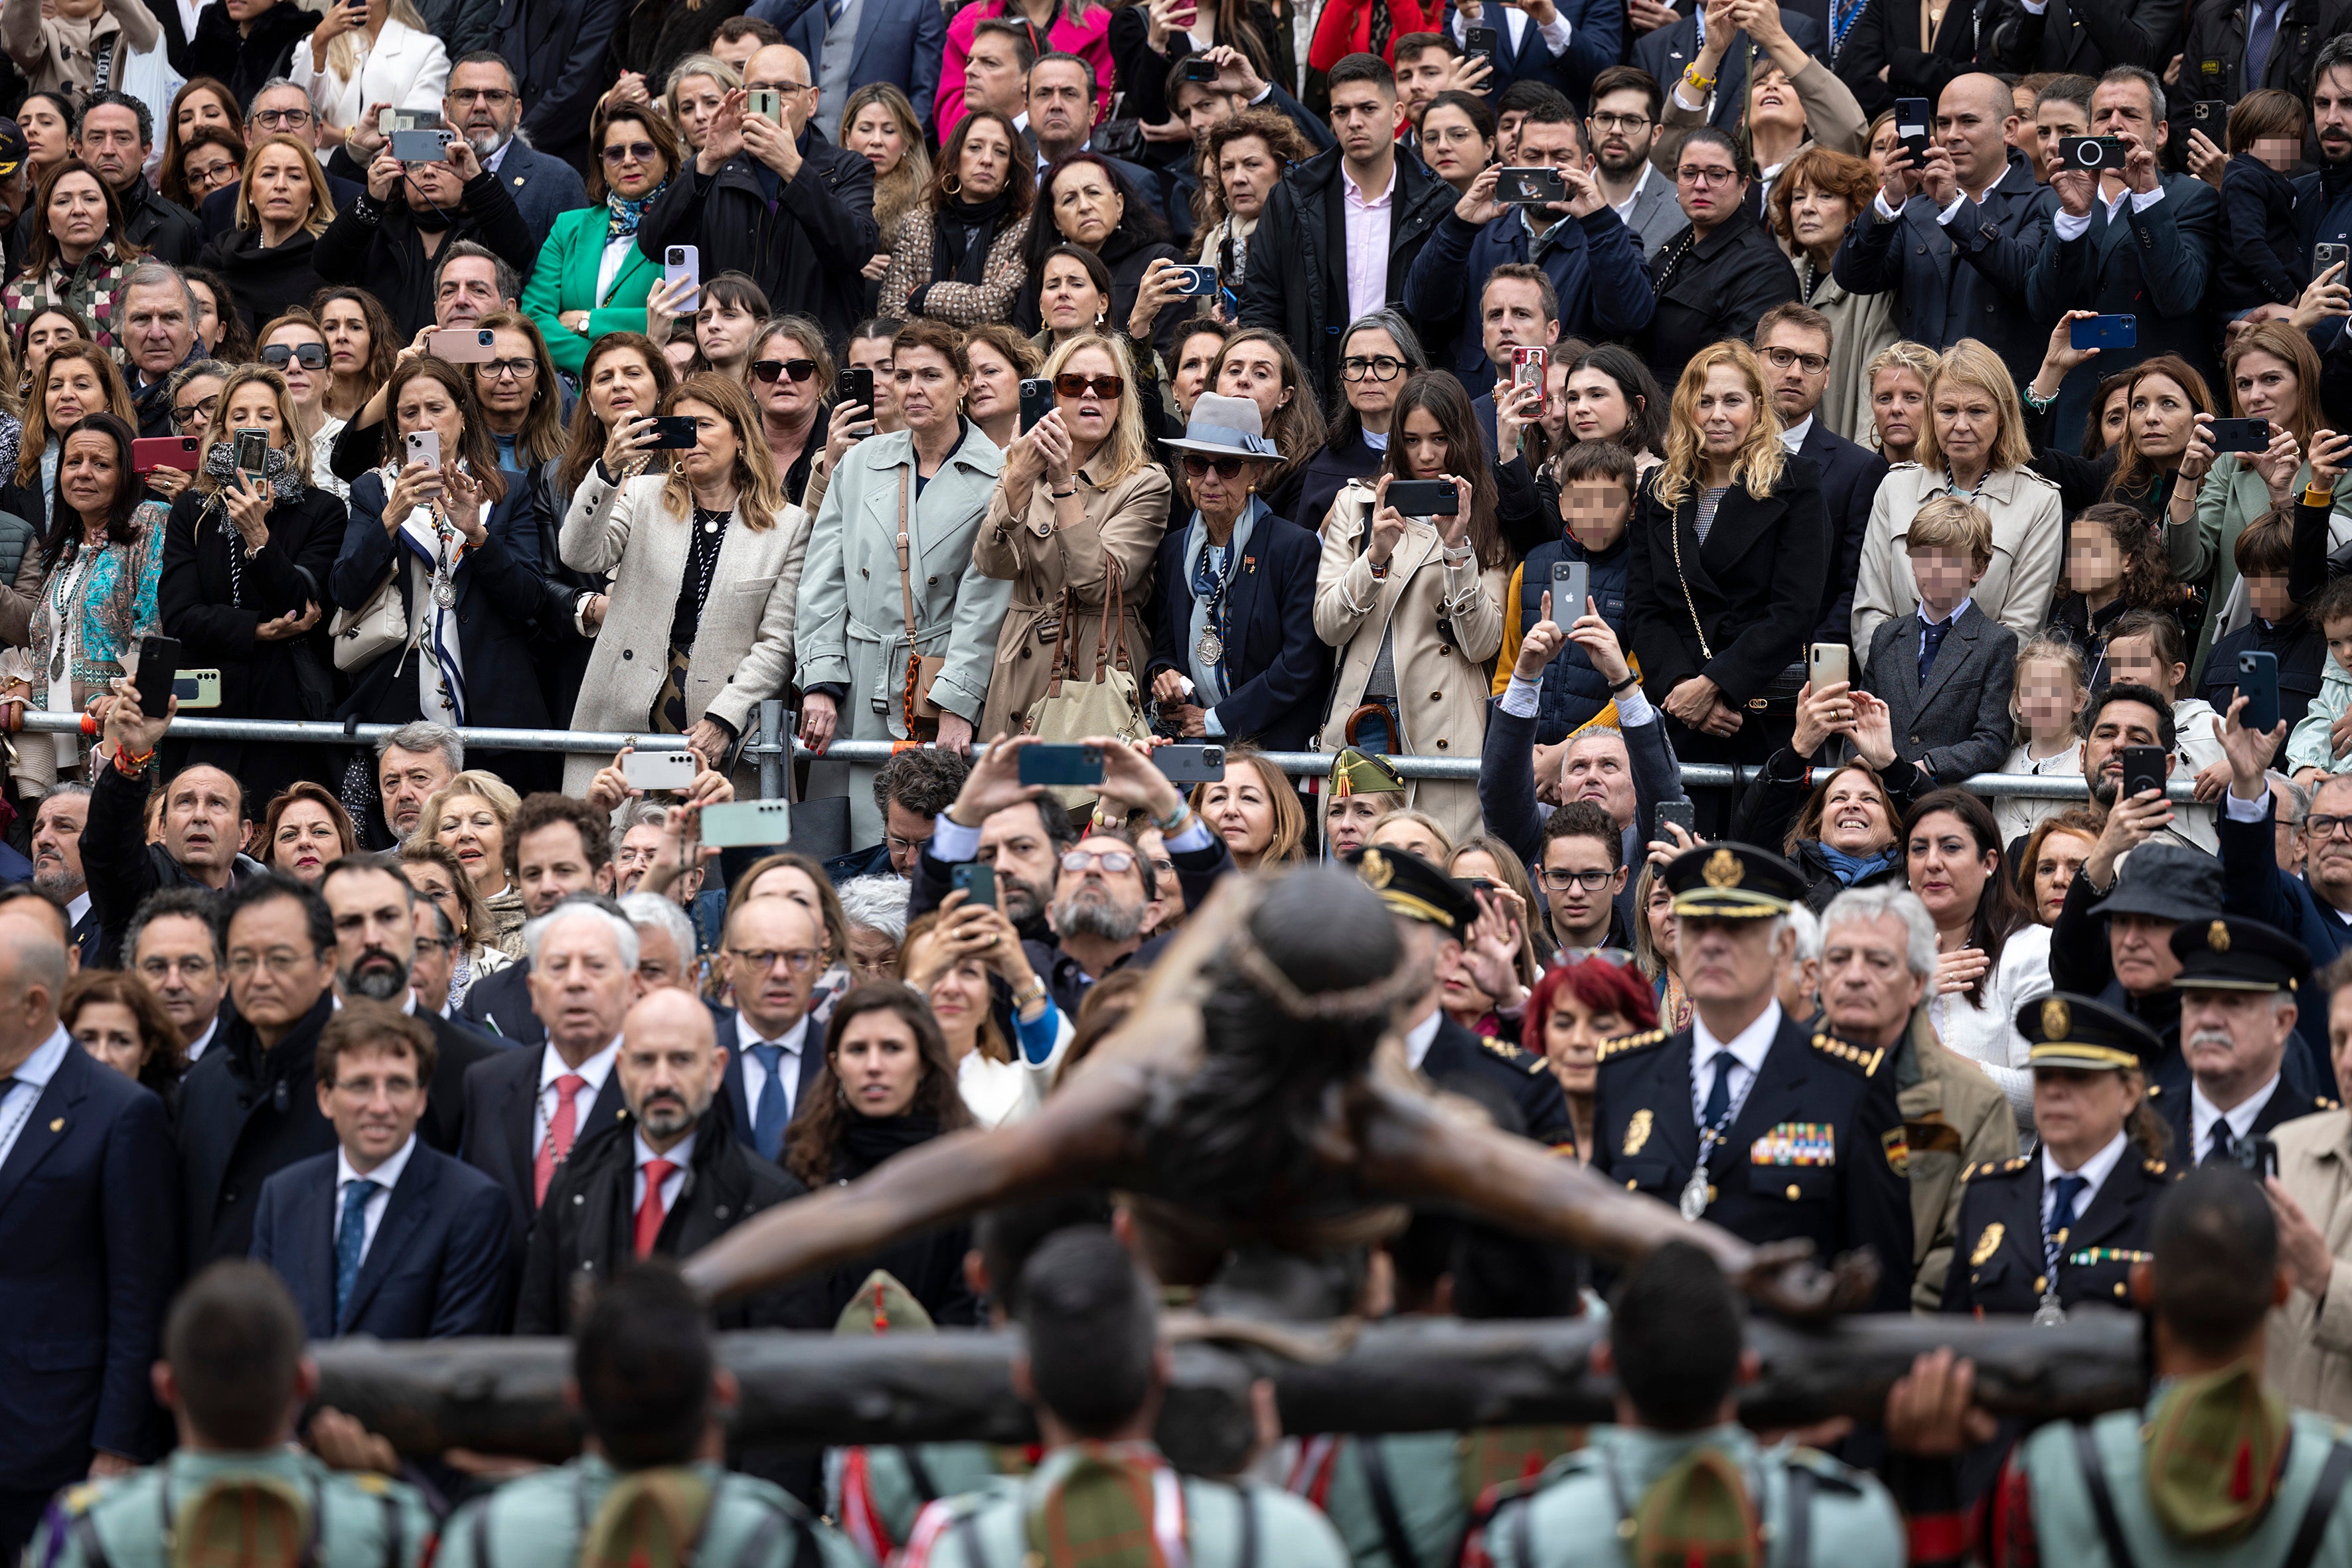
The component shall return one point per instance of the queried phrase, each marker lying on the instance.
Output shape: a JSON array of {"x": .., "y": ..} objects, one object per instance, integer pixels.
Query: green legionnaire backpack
[
  {"x": 1104, "y": 1510},
  {"x": 1698, "y": 1515},
  {"x": 2214, "y": 1448},
  {"x": 651, "y": 1519},
  {"x": 245, "y": 1522},
  {"x": 1495, "y": 1457}
]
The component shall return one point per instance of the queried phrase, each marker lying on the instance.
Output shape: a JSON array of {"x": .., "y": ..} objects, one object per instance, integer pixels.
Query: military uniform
[
  {"x": 539, "y": 1521},
  {"x": 1813, "y": 1509},
  {"x": 1953, "y": 1117},
  {"x": 1404, "y": 1500},
  {"x": 358, "y": 1521},
  {"x": 1222, "y": 1526},
  {"x": 2235, "y": 954}
]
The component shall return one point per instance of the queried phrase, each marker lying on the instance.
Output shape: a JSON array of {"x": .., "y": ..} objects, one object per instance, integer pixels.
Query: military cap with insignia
[
  {"x": 2229, "y": 953},
  {"x": 2064, "y": 1031},
  {"x": 1733, "y": 882},
  {"x": 1363, "y": 773},
  {"x": 1411, "y": 887}
]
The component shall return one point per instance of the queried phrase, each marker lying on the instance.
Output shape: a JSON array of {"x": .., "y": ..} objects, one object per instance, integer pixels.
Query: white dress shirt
[
  {"x": 385, "y": 1176},
  {"x": 680, "y": 1154},
  {"x": 196, "y": 1046},
  {"x": 1748, "y": 1049},
  {"x": 2065, "y": 226},
  {"x": 32, "y": 1078},
  {"x": 596, "y": 1070},
  {"x": 1421, "y": 1037},
  {"x": 2096, "y": 1170},
  {"x": 1793, "y": 436},
  {"x": 2203, "y": 1113},
  {"x": 755, "y": 1076}
]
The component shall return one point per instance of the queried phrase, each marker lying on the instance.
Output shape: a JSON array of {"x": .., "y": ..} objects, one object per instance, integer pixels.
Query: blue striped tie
[{"x": 350, "y": 1239}]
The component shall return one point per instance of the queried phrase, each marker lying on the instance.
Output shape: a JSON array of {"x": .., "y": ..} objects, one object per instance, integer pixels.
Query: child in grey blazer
[{"x": 1945, "y": 670}]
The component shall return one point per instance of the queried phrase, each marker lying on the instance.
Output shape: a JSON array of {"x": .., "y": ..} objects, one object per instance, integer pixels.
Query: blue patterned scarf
[
  {"x": 1851, "y": 869},
  {"x": 623, "y": 215}
]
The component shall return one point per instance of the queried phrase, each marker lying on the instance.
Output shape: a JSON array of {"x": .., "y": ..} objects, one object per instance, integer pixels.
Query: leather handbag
[
  {"x": 922, "y": 714},
  {"x": 361, "y": 637},
  {"x": 1074, "y": 708}
]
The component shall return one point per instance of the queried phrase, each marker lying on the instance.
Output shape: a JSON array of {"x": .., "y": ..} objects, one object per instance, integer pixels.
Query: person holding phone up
[{"x": 380, "y": 242}]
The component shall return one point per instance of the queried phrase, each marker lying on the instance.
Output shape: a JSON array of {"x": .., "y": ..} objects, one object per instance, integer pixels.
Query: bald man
[
  {"x": 90, "y": 1258},
  {"x": 670, "y": 1181},
  {"x": 776, "y": 201},
  {"x": 1956, "y": 235}
]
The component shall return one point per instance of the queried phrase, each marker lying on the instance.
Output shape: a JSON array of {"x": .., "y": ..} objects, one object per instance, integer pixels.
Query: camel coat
[
  {"x": 1442, "y": 685},
  {"x": 743, "y": 650},
  {"x": 1123, "y": 522},
  {"x": 2308, "y": 1350},
  {"x": 2028, "y": 541}
]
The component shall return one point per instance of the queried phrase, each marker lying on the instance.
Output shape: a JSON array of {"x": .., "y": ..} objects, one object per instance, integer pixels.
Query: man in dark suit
[
  {"x": 1433, "y": 913},
  {"x": 1668, "y": 52},
  {"x": 386, "y": 1235},
  {"x": 1235, "y": 653},
  {"x": 771, "y": 950},
  {"x": 1061, "y": 121},
  {"x": 1745, "y": 1117},
  {"x": 850, "y": 44},
  {"x": 56, "y": 844},
  {"x": 1946, "y": 671},
  {"x": 176, "y": 945},
  {"x": 1560, "y": 45},
  {"x": 486, "y": 107},
  {"x": 375, "y": 947},
  {"x": 203, "y": 816},
  {"x": 1794, "y": 342},
  {"x": 2085, "y": 38},
  {"x": 556, "y": 51},
  {"x": 2133, "y": 241},
  {"x": 1954, "y": 240},
  {"x": 85, "y": 1226},
  {"x": 2240, "y": 981},
  {"x": 557, "y": 846}
]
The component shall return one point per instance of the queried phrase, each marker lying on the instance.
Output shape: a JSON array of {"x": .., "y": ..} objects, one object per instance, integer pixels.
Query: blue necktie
[
  {"x": 1718, "y": 1098},
  {"x": 2062, "y": 1220},
  {"x": 1931, "y": 637},
  {"x": 350, "y": 1239},
  {"x": 2260, "y": 34},
  {"x": 768, "y": 1117},
  {"x": 2218, "y": 1149}
]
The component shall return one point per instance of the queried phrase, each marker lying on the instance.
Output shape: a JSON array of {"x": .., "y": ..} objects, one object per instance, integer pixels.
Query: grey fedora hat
[
  {"x": 1228, "y": 427},
  {"x": 2166, "y": 881}
]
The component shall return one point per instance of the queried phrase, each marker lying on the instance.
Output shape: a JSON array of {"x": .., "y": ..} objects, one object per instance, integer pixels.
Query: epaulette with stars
[
  {"x": 1512, "y": 1054},
  {"x": 1997, "y": 1168},
  {"x": 1865, "y": 1062},
  {"x": 2158, "y": 1168},
  {"x": 1627, "y": 1044}
]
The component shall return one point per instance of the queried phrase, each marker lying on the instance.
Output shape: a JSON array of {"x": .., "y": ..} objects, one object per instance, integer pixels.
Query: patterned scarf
[{"x": 622, "y": 215}]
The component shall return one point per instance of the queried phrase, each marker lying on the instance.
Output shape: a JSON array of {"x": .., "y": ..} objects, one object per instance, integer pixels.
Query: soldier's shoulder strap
[
  {"x": 2103, "y": 1498},
  {"x": 2321, "y": 1508}
]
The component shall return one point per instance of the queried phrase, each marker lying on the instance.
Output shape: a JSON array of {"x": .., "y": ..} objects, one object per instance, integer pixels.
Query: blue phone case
[{"x": 2258, "y": 683}]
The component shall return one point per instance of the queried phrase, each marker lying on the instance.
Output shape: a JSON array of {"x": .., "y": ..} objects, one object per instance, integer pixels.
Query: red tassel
[
  {"x": 881, "y": 1318},
  {"x": 2241, "y": 1473}
]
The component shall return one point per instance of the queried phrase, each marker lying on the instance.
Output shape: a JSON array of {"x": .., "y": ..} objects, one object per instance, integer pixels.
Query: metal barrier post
[{"x": 773, "y": 749}]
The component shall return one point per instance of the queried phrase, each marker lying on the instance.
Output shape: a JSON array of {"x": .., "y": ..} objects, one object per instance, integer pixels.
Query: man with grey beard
[
  {"x": 58, "y": 823},
  {"x": 1101, "y": 896}
]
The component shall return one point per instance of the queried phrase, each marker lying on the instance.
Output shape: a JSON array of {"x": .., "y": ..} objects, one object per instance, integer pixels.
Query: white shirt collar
[
  {"x": 792, "y": 1039},
  {"x": 37, "y": 1070},
  {"x": 495, "y": 159},
  {"x": 196, "y": 1046},
  {"x": 1748, "y": 1048},
  {"x": 596, "y": 1070},
  {"x": 76, "y": 907},
  {"x": 1794, "y": 435},
  {"x": 2096, "y": 1170},
  {"x": 680, "y": 1154},
  {"x": 1421, "y": 1037},
  {"x": 1355, "y": 195},
  {"x": 2203, "y": 1113},
  {"x": 1953, "y": 619},
  {"x": 386, "y": 1175}
]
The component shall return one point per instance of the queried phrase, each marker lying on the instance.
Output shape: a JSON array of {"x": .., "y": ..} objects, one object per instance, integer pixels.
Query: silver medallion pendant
[
  {"x": 1210, "y": 650},
  {"x": 710, "y": 527},
  {"x": 445, "y": 592},
  {"x": 2050, "y": 1313},
  {"x": 1694, "y": 1202}
]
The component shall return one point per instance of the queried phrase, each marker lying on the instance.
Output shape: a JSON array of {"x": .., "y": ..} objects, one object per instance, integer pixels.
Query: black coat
[
  {"x": 1711, "y": 288},
  {"x": 2085, "y": 36},
  {"x": 246, "y": 62},
  {"x": 1850, "y": 478},
  {"x": 1278, "y": 670},
  {"x": 806, "y": 252},
  {"x": 1297, "y": 283},
  {"x": 930, "y": 1265},
  {"x": 502, "y": 1096},
  {"x": 164, "y": 229},
  {"x": 499, "y": 1005},
  {"x": 378, "y": 247},
  {"x": 1998, "y": 1261},
  {"x": 245, "y": 1114},
  {"x": 124, "y": 868},
  {"x": 556, "y": 49},
  {"x": 2213, "y": 55},
  {"x": 1886, "y": 36},
  {"x": 264, "y": 281},
  {"x": 586, "y": 1231},
  {"x": 456, "y": 1049},
  {"x": 1756, "y": 583},
  {"x": 1470, "y": 1064}
]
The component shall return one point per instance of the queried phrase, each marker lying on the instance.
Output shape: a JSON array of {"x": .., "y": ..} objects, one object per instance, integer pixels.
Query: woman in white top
[
  {"x": 1991, "y": 956},
  {"x": 947, "y": 957},
  {"x": 368, "y": 52},
  {"x": 295, "y": 346}
]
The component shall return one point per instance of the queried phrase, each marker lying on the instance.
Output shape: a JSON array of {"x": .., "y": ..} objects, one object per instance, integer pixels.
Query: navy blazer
[
  {"x": 1850, "y": 476},
  {"x": 556, "y": 50},
  {"x": 1595, "y": 270},
  {"x": 437, "y": 1266},
  {"x": 738, "y": 1104},
  {"x": 1961, "y": 280},
  {"x": 1281, "y": 671},
  {"x": 898, "y": 41},
  {"x": 501, "y": 1115},
  {"x": 1665, "y": 52},
  {"x": 86, "y": 1226},
  {"x": 1596, "y": 38}
]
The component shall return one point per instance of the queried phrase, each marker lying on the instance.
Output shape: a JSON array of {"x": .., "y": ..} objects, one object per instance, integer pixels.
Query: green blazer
[{"x": 565, "y": 280}]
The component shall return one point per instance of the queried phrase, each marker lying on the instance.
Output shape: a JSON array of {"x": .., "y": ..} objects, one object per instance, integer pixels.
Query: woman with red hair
[{"x": 1574, "y": 1007}]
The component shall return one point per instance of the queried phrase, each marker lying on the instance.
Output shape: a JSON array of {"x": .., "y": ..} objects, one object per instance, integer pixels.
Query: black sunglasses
[
  {"x": 1196, "y": 466},
  {"x": 773, "y": 370},
  {"x": 641, "y": 151},
  {"x": 313, "y": 355},
  {"x": 1071, "y": 384}
]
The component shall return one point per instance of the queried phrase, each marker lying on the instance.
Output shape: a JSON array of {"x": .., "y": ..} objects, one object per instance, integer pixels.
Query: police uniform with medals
[
  {"x": 2035, "y": 1239},
  {"x": 229, "y": 1503},
  {"x": 2234, "y": 955},
  {"x": 1456, "y": 1058},
  {"x": 1812, "y": 1145}
]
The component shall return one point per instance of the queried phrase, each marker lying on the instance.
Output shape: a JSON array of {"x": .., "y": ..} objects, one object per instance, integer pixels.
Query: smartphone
[
  {"x": 976, "y": 880},
  {"x": 2258, "y": 684},
  {"x": 421, "y": 146},
  {"x": 1528, "y": 365},
  {"x": 2324, "y": 257},
  {"x": 1195, "y": 68},
  {"x": 1571, "y": 584},
  {"x": 2097, "y": 153},
  {"x": 462, "y": 345},
  {"x": 158, "y": 676},
  {"x": 1827, "y": 663},
  {"x": 2105, "y": 333},
  {"x": 670, "y": 768},
  {"x": 1190, "y": 765},
  {"x": 736, "y": 824},
  {"x": 2143, "y": 769},
  {"x": 1058, "y": 765},
  {"x": 387, "y": 121},
  {"x": 2238, "y": 435},
  {"x": 425, "y": 447},
  {"x": 1481, "y": 41},
  {"x": 1913, "y": 118},
  {"x": 1037, "y": 401},
  {"x": 253, "y": 452},
  {"x": 2211, "y": 115},
  {"x": 676, "y": 433},
  {"x": 1423, "y": 497},
  {"x": 196, "y": 689},
  {"x": 1682, "y": 813},
  {"x": 855, "y": 384},
  {"x": 1528, "y": 186},
  {"x": 149, "y": 453},
  {"x": 765, "y": 102},
  {"x": 683, "y": 263},
  {"x": 1196, "y": 281}
]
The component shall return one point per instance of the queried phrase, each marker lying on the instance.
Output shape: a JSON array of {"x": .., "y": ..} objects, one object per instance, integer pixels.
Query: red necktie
[
  {"x": 561, "y": 1128},
  {"x": 650, "y": 1213}
]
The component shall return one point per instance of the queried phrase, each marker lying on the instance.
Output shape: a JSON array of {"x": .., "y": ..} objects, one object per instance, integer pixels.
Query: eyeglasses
[
  {"x": 1197, "y": 467},
  {"x": 772, "y": 370},
  {"x": 1086, "y": 860},
  {"x": 907, "y": 846},
  {"x": 1620, "y": 122},
  {"x": 1782, "y": 359},
  {"x": 1691, "y": 174},
  {"x": 313, "y": 356},
  {"x": 2320, "y": 826},
  {"x": 1614, "y": 955},
  {"x": 1071, "y": 384},
  {"x": 799, "y": 960},
  {"x": 511, "y": 369},
  {"x": 1560, "y": 881},
  {"x": 495, "y": 97},
  {"x": 194, "y": 414},
  {"x": 778, "y": 86},
  {"x": 291, "y": 119},
  {"x": 1378, "y": 368},
  {"x": 634, "y": 152}
]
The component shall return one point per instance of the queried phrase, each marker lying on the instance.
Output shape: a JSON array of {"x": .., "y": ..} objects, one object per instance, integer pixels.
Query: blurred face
[
  {"x": 1796, "y": 370},
  {"x": 375, "y": 1102},
  {"x": 552, "y": 864},
  {"x": 1247, "y": 172},
  {"x": 1598, "y": 409},
  {"x": 1856, "y": 819},
  {"x": 90, "y": 473},
  {"x": 1451, "y": 145},
  {"x": 2054, "y": 864},
  {"x": 579, "y": 986},
  {"x": 1349, "y": 819},
  {"x": 175, "y": 958},
  {"x": 2161, "y": 416},
  {"x": 2135, "y": 659},
  {"x": 472, "y": 829},
  {"x": 670, "y": 1067},
  {"x": 481, "y": 103},
  {"x": 1086, "y": 206},
  {"x": 993, "y": 76},
  {"x": 697, "y": 98},
  {"x": 773, "y": 955},
  {"x": 1596, "y": 515},
  {"x": 111, "y": 143},
  {"x": 785, "y": 400},
  {"x": 2079, "y": 1112},
  {"x": 2048, "y": 696},
  {"x": 110, "y": 1031},
  {"x": 1511, "y": 315},
  {"x": 1253, "y": 369},
  {"x": 931, "y": 393},
  {"x": 76, "y": 214},
  {"x": 1898, "y": 405},
  {"x": 1059, "y": 111},
  {"x": 1708, "y": 184},
  {"x": 1572, "y": 1033},
  {"x": 1867, "y": 986},
  {"x": 1413, "y": 837},
  {"x": 211, "y": 167},
  {"x": 306, "y": 839},
  {"x": 2264, "y": 386},
  {"x": 1944, "y": 573},
  {"x": 724, "y": 328},
  {"x": 1372, "y": 370},
  {"x": 879, "y": 1063},
  {"x": 468, "y": 292},
  {"x": 633, "y": 164},
  {"x": 1948, "y": 869},
  {"x": 281, "y": 189},
  {"x": 274, "y": 973},
  {"x": 2093, "y": 563},
  {"x": 1727, "y": 412},
  {"x": 1364, "y": 117},
  {"x": 1730, "y": 960},
  {"x": 985, "y": 162},
  {"x": 877, "y": 137},
  {"x": 75, "y": 389},
  {"x": 1239, "y": 807},
  {"x": 1067, "y": 298}
]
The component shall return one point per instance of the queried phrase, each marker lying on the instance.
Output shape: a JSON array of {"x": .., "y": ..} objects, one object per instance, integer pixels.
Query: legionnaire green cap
[
  {"x": 1096, "y": 1509},
  {"x": 2064, "y": 1031},
  {"x": 1363, "y": 773},
  {"x": 651, "y": 1519},
  {"x": 243, "y": 1521},
  {"x": 1733, "y": 882},
  {"x": 882, "y": 1306},
  {"x": 1414, "y": 888},
  {"x": 1698, "y": 1515},
  {"x": 2213, "y": 1450},
  {"x": 2228, "y": 954}
]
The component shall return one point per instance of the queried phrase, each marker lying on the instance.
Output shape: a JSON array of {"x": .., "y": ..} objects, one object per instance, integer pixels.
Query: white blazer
[
  {"x": 1985, "y": 1031},
  {"x": 407, "y": 70}
]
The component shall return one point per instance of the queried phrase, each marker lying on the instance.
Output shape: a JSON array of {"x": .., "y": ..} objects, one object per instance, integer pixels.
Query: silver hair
[
  {"x": 2146, "y": 79},
  {"x": 278, "y": 81},
  {"x": 150, "y": 273},
  {"x": 1856, "y": 905},
  {"x": 426, "y": 736},
  {"x": 1393, "y": 323},
  {"x": 637, "y": 814},
  {"x": 877, "y": 903},
  {"x": 1801, "y": 920},
  {"x": 653, "y": 910},
  {"x": 2298, "y": 799},
  {"x": 593, "y": 907}
]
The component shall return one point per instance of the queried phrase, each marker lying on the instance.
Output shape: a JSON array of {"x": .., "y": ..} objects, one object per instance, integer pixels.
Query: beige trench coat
[
  {"x": 1442, "y": 685},
  {"x": 1123, "y": 522},
  {"x": 2307, "y": 1354}
]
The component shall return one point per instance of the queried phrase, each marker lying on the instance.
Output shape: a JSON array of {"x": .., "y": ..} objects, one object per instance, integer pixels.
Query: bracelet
[
  {"x": 1032, "y": 992},
  {"x": 1379, "y": 573},
  {"x": 1702, "y": 83},
  {"x": 2039, "y": 405},
  {"x": 1627, "y": 684},
  {"x": 1169, "y": 824},
  {"x": 129, "y": 767},
  {"x": 1064, "y": 495}
]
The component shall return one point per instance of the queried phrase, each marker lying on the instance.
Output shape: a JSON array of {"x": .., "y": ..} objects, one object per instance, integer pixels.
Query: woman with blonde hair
[
  {"x": 295, "y": 346},
  {"x": 1731, "y": 546},
  {"x": 370, "y": 51},
  {"x": 472, "y": 816},
  {"x": 698, "y": 86},
  {"x": 683, "y": 536},
  {"x": 1817, "y": 194},
  {"x": 1897, "y": 378},
  {"x": 880, "y": 126},
  {"x": 1973, "y": 444},
  {"x": 1256, "y": 810},
  {"x": 956, "y": 248},
  {"x": 283, "y": 206},
  {"x": 1074, "y": 522}
]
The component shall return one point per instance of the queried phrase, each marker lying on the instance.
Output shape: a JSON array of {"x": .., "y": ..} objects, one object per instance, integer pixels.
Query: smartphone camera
[
  {"x": 2093, "y": 152},
  {"x": 1198, "y": 71}
]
